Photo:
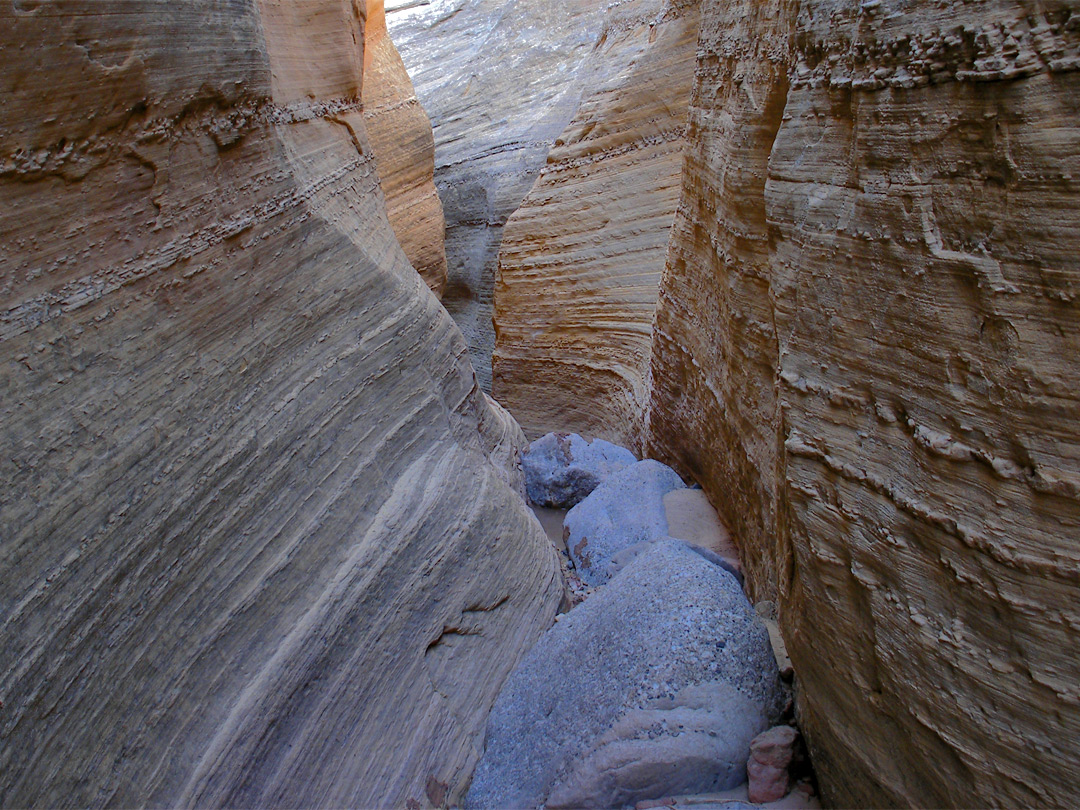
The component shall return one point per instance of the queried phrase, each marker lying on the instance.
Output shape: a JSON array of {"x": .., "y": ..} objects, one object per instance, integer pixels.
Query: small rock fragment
[
  {"x": 767, "y": 613},
  {"x": 771, "y": 753}
]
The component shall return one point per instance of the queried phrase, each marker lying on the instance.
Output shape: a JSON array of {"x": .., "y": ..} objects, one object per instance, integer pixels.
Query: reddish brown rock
[{"x": 771, "y": 752}]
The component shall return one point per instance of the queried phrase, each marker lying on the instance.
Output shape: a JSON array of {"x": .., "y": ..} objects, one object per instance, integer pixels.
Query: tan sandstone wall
[
  {"x": 404, "y": 147},
  {"x": 502, "y": 80},
  {"x": 258, "y": 545},
  {"x": 866, "y": 351},
  {"x": 580, "y": 262}
]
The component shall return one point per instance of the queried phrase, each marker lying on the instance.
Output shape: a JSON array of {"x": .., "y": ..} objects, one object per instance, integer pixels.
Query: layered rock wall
[
  {"x": 581, "y": 259},
  {"x": 501, "y": 80},
  {"x": 401, "y": 138},
  {"x": 258, "y": 544},
  {"x": 865, "y": 350}
]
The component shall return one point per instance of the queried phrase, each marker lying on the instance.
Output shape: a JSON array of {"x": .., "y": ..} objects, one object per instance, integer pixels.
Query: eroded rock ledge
[{"x": 502, "y": 81}]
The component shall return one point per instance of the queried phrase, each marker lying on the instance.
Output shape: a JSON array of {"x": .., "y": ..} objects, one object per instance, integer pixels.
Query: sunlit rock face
[
  {"x": 865, "y": 351},
  {"x": 260, "y": 545},
  {"x": 400, "y": 136},
  {"x": 581, "y": 259},
  {"x": 501, "y": 79}
]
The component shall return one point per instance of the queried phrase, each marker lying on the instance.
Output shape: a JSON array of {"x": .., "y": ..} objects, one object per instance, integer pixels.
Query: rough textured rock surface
[
  {"x": 771, "y": 753},
  {"x": 562, "y": 468},
  {"x": 581, "y": 259},
  {"x": 257, "y": 549},
  {"x": 669, "y": 644},
  {"x": 625, "y": 510},
  {"x": 494, "y": 125},
  {"x": 865, "y": 351},
  {"x": 404, "y": 147}
]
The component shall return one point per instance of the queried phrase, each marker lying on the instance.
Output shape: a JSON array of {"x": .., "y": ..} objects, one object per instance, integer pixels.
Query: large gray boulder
[
  {"x": 625, "y": 510},
  {"x": 654, "y": 686},
  {"x": 562, "y": 468}
]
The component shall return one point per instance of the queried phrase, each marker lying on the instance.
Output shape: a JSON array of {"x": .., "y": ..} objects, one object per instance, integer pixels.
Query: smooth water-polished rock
[
  {"x": 623, "y": 558},
  {"x": 561, "y": 469},
  {"x": 654, "y": 686},
  {"x": 404, "y": 148},
  {"x": 258, "y": 545},
  {"x": 627, "y": 509}
]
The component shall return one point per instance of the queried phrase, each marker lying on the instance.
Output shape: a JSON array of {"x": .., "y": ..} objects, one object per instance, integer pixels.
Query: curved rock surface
[
  {"x": 257, "y": 546},
  {"x": 561, "y": 469},
  {"x": 653, "y": 686},
  {"x": 404, "y": 147},
  {"x": 581, "y": 258},
  {"x": 625, "y": 510},
  {"x": 865, "y": 352},
  {"x": 501, "y": 79}
]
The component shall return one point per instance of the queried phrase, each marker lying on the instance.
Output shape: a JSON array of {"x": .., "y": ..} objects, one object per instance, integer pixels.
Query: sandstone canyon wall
[
  {"x": 581, "y": 259},
  {"x": 501, "y": 79},
  {"x": 258, "y": 548},
  {"x": 404, "y": 148},
  {"x": 865, "y": 349}
]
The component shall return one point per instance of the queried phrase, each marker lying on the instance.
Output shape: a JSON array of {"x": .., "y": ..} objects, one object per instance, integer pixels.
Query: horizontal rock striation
[
  {"x": 864, "y": 351},
  {"x": 258, "y": 546},
  {"x": 404, "y": 148},
  {"x": 580, "y": 262},
  {"x": 501, "y": 80}
]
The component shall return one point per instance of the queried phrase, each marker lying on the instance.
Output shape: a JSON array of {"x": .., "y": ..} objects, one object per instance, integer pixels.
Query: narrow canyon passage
[
  {"x": 291, "y": 289},
  {"x": 855, "y": 327}
]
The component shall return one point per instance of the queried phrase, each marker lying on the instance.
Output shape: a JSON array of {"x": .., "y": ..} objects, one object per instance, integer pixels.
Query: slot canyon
[{"x": 294, "y": 293}]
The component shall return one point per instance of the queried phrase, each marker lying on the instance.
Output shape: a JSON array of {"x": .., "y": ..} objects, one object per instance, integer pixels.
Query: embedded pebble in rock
[
  {"x": 561, "y": 469},
  {"x": 654, "y": 686},
  {"x": 625, "y": 510},
  {"x": 771, "y": 753}
]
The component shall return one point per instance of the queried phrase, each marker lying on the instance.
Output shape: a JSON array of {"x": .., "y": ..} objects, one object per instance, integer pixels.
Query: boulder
[
  {"x": 625, "y": 510},
  {"x": 692, "y": 518},
  {"x": 561, "y": 469},
  {"x": 654, "y": 686},
  {"x": 623, "y": 558}
]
